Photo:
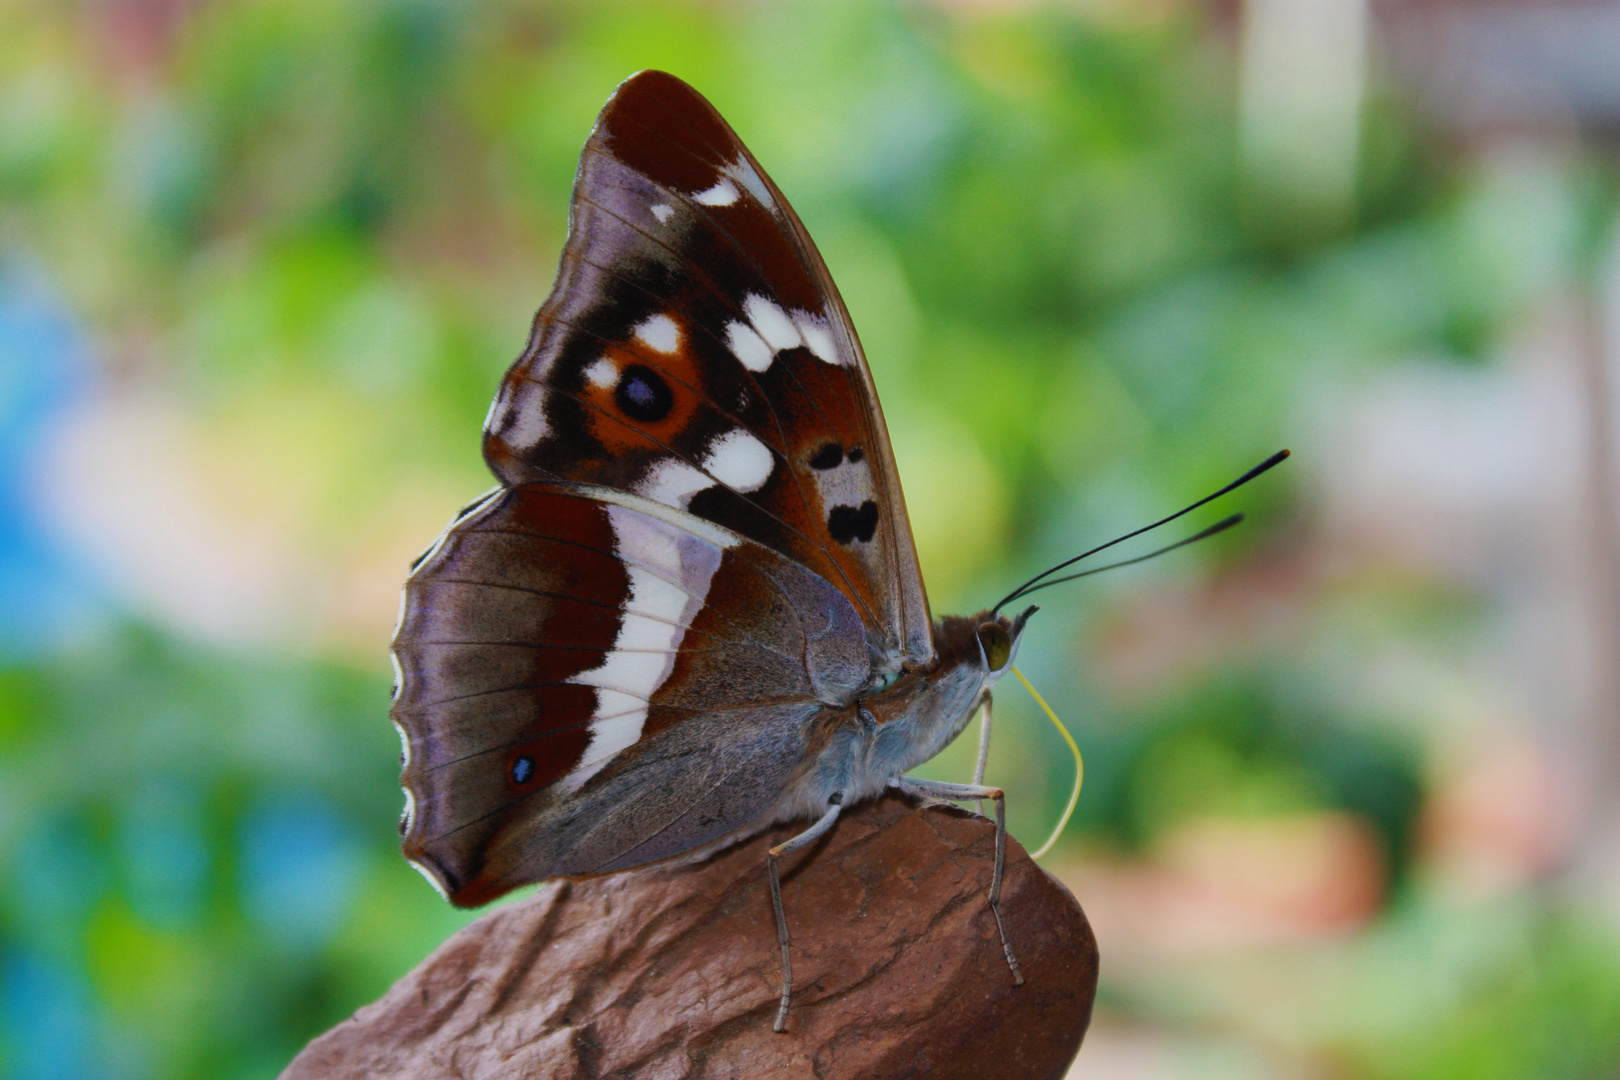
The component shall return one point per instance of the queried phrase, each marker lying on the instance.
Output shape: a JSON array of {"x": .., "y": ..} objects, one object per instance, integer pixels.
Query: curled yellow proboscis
[{"x": 1079, "y": 766}]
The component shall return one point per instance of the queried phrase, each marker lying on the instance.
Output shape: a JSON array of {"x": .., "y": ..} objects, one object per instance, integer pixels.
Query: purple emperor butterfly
[{"x": 692, "y": 608}]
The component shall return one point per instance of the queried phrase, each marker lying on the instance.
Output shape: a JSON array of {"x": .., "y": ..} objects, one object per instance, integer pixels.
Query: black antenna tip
[{"x": 1274, "y": 460}]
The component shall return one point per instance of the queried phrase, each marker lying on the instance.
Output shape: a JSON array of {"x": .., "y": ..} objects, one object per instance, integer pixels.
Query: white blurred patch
[
  {"x": 1303, "y": 75},
  {"x": 242, "y": 527},
  {"x": 132, "y": 483}
]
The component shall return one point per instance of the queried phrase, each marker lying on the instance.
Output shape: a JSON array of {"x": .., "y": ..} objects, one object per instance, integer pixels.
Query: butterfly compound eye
[{"x": 997, "y": 645}]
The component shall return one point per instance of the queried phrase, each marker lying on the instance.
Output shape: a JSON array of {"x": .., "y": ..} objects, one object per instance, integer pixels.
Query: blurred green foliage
[{"x": 320, "y": 230}]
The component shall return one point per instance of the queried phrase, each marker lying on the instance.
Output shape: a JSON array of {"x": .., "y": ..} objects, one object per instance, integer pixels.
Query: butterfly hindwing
[
  {"x": 695, "y": 352},
  {"x": 589, "y": 680}
]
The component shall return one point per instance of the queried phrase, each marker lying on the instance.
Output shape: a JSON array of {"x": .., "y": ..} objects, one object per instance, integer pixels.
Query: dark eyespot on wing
[
  {"x": 642, "y": 394},
  {"x": 522, "y": 769},
  {"x": 855, "y": 455},
  {"x": 847, "y": 524},
  {"x": 828, "y": 457}
]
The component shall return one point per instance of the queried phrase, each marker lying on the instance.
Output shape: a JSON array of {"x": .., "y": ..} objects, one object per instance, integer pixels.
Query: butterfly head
[{"x": 998, "y": 638}]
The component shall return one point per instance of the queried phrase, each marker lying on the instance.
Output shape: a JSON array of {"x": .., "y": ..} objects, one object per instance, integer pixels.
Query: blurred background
[{"x": 1352, "y": 806}]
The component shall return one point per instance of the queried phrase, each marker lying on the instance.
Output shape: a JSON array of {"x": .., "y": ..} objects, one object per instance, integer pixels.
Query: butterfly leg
[
  {"x": 984, "y": 748},
  {"x": 809, "y": 836},
  {"x": 938, "y": 789}
]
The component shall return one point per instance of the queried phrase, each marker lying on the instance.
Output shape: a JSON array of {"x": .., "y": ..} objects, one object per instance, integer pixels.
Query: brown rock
[{"x": 672, "y": 973}]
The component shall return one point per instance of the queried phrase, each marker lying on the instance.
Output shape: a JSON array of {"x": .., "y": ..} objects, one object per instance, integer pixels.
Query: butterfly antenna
[
  {"x": 1219, "y": 527},
  {"x": 1035, "y": 582}
]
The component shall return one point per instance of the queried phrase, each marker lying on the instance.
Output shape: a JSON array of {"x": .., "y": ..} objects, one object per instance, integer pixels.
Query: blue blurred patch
[
  {"x": 57, "y": 875},
  {"x": 300, "y": 869},
  {"x": 165, "y": 849},
  {"x": 43, "y": 596},
  {"x": 47, "y": 1013}
]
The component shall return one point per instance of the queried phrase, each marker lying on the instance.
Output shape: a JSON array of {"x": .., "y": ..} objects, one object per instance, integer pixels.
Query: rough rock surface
[{"x": 671, "y": 973}]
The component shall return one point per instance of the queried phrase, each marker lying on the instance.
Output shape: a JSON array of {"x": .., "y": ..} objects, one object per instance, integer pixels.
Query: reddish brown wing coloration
[
  {"x": 696, "y": 352},
  {"x": 585, "y": 686}
]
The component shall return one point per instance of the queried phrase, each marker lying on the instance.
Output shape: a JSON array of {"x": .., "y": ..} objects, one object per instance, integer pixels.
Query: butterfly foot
[
  {"x": 1006, "y": 946},
  {"x": 809, "y": 836},
  {"x": 781, "y": 939},
  {"x": 936, "y": 789}
]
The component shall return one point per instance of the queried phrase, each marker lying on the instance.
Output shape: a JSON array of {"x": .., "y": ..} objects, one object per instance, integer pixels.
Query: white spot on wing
[
  {"x": 661, "y": 333},
  {"x": 724, "y": 193},
  {"x": 771, "y": 322},
  {"x": 743, "y": 172},
  {"x": 739, "y": 461},
  {"x": 622, "y": 717},
  {"x": 817, "y": 338},
  {"x": 847, "y": 484},
  {"x": 662, "y": 212},
  {"x": 629, "y": 672},
  {"x": 669, "y": 571},
  {"x": 524, "y": 426},
  {"x": 653, "y": 602},
  {"x": 748, "y": 347},
  {"x": 673, "y": 482},
  {"x": 642, "y": 624},
  {"x": 603, "y": 373},
  {"x": 770, "y": 330}
]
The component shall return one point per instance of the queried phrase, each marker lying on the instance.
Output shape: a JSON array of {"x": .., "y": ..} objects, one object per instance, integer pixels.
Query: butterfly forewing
[
  {"x": 695, "y": 352},
  {"x": 589, "y": 681}
]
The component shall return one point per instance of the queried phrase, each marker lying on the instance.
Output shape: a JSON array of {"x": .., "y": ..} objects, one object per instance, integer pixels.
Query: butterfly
[{"x": 692, "y": 607}]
